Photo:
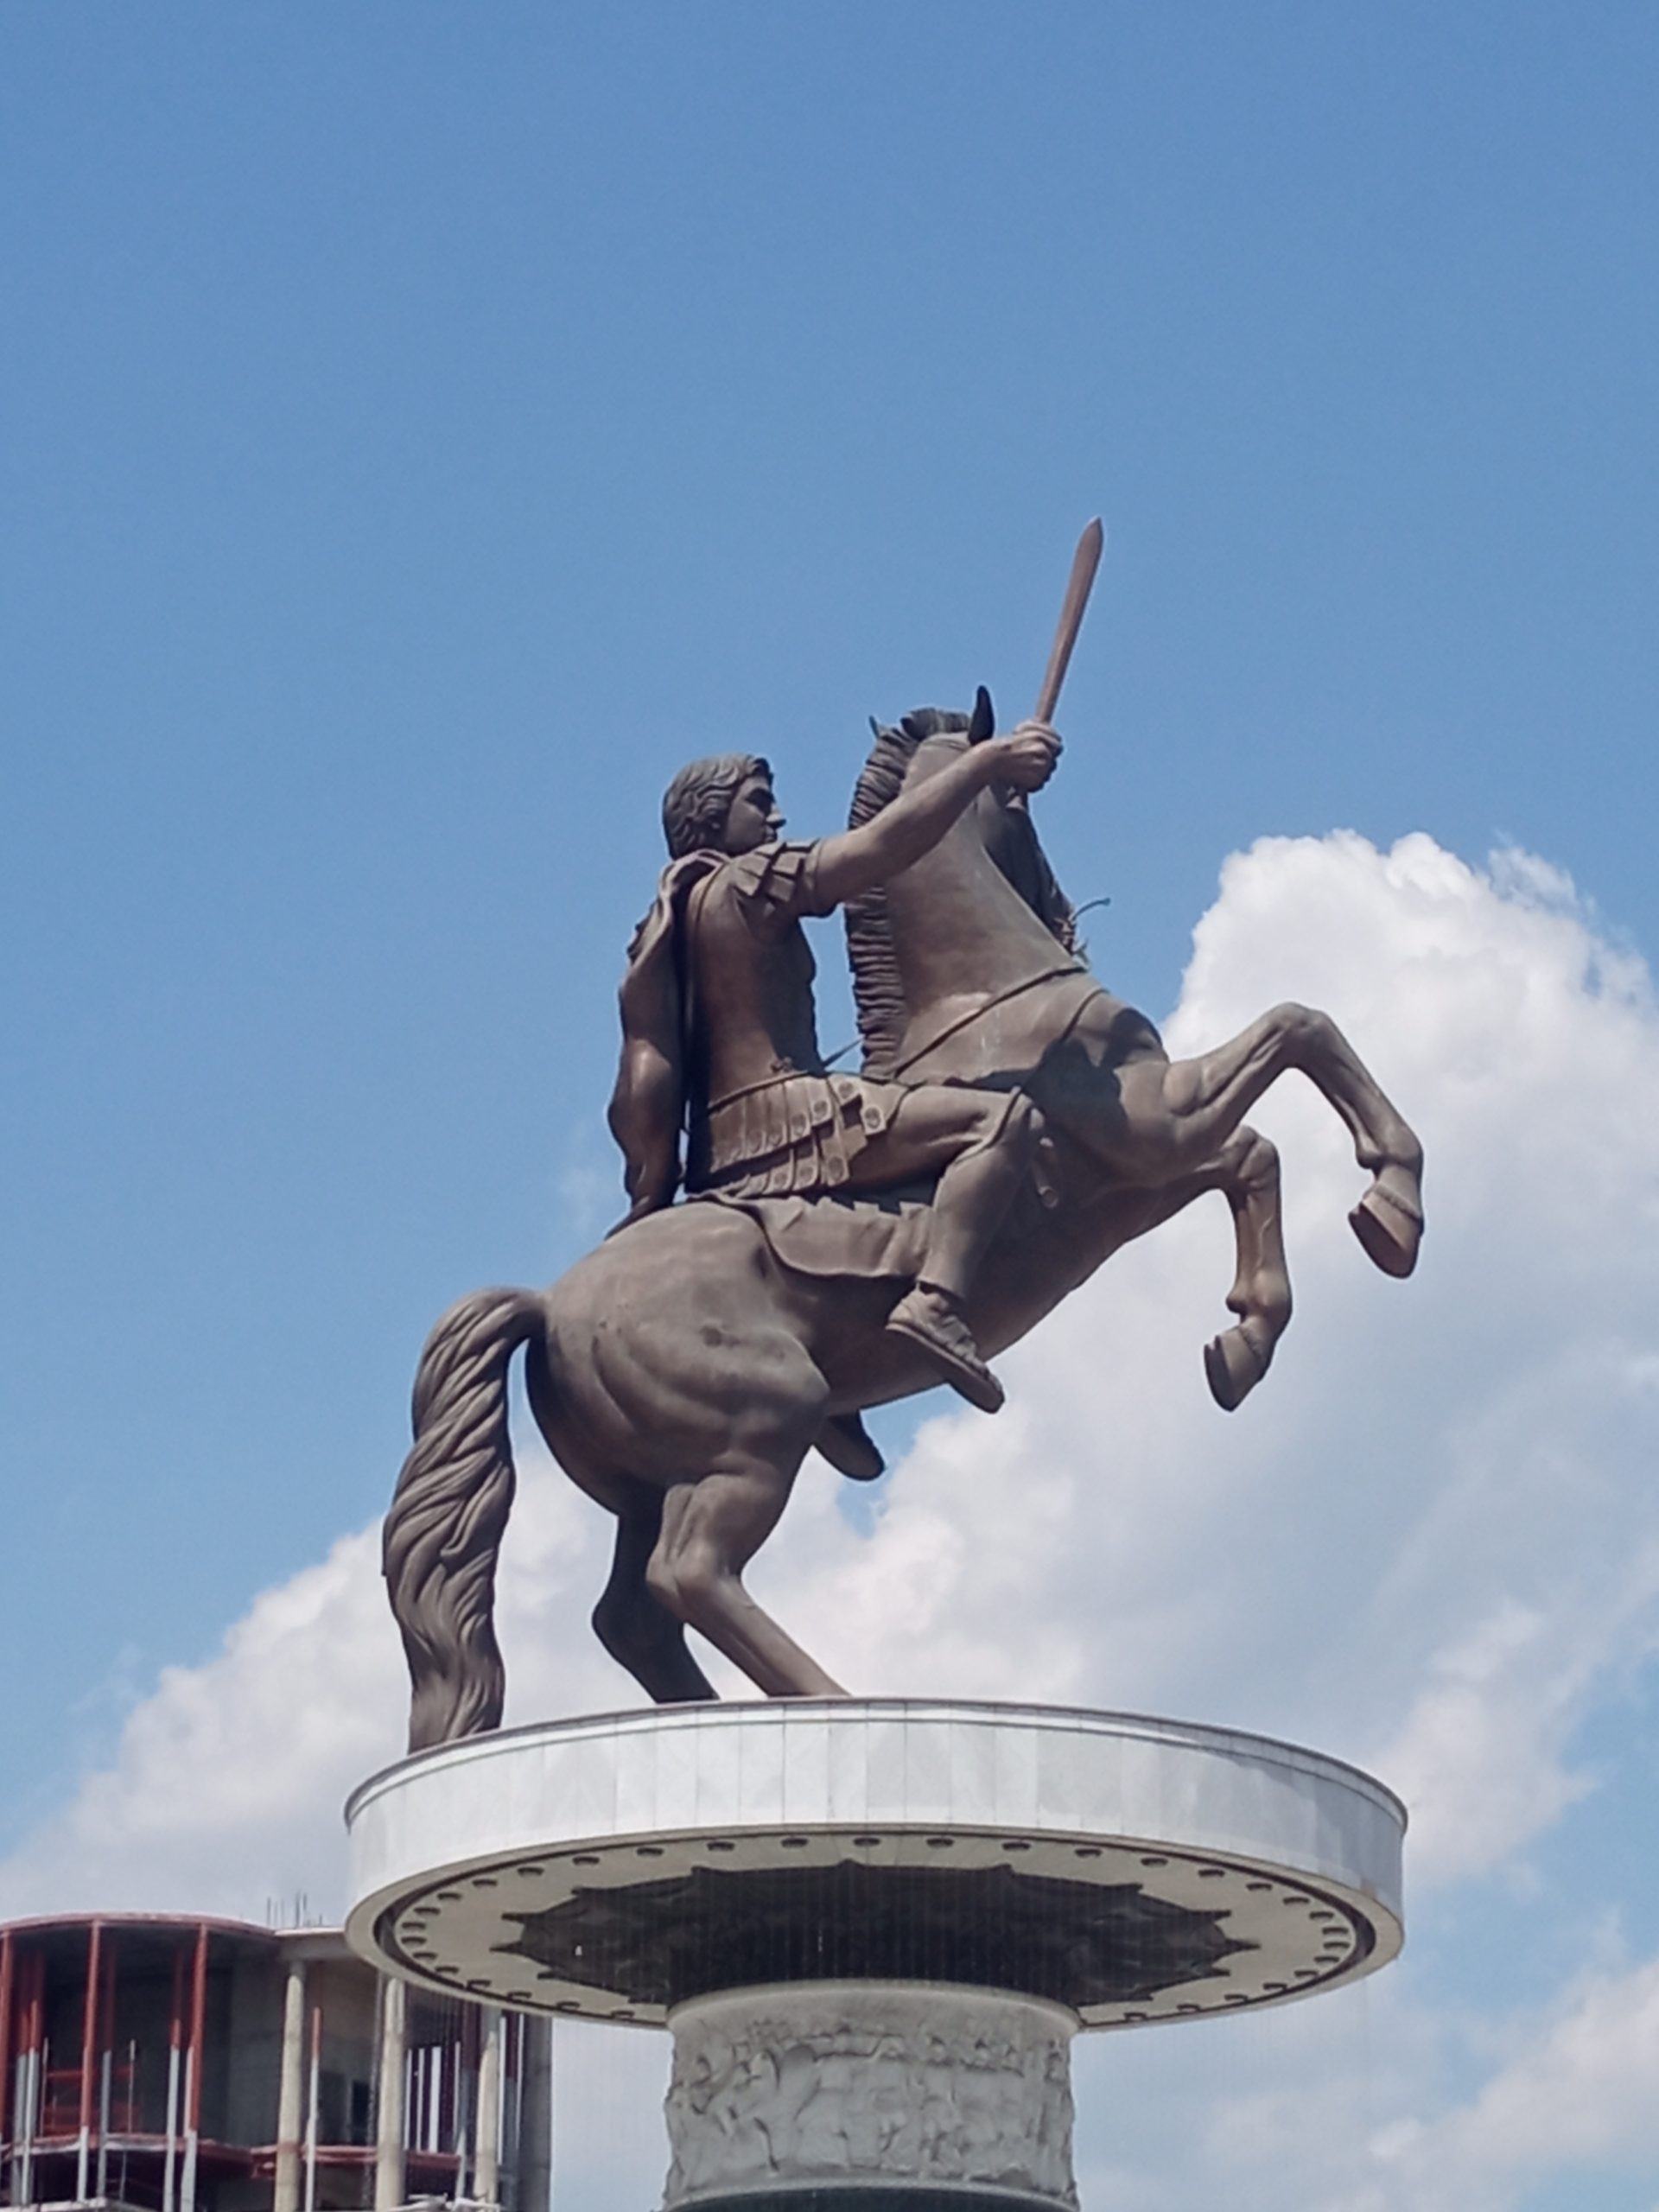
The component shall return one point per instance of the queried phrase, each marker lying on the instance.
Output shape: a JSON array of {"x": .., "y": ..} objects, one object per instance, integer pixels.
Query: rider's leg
[
  {"x": 1177, "y": 1111},
  {"x": 980, "y": 1144}
]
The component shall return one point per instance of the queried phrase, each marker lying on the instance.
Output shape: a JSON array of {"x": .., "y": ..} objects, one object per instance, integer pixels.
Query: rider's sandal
[{"x": 952, "y": 1353}]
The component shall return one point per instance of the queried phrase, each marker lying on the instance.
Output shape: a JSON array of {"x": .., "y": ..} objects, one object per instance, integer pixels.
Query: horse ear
[{"x": 984, "y": 721}]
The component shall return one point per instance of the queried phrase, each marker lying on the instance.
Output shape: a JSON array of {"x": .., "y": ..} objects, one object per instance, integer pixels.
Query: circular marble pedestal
[{"x": 873, "y": 1925}]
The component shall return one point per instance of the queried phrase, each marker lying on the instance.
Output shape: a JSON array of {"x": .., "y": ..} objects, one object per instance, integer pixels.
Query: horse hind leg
[
  {"x": 1236, "y": 1361},
  {"x": 632, "y": 1623},
  {"x": 712, "y": 1527}
]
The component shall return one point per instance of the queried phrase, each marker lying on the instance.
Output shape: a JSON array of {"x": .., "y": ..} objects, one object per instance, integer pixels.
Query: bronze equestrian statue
[
  {"x": 720, "y": 1035},
  {"x": 681, "y": 1372}
]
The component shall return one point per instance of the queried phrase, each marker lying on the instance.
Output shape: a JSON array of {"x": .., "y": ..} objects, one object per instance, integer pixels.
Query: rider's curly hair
[{"x": 697, "y": 802}]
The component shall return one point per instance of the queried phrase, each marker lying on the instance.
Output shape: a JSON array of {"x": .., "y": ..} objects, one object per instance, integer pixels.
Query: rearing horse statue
[{"x": 681, "y": 1372}]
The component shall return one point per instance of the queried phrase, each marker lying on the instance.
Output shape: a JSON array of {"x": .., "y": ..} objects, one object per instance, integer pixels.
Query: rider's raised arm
[{"x": 858, "y": 860}]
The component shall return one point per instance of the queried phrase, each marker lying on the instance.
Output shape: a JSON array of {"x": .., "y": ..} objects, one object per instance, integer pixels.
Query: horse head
[{"x": 980, "y": 916}]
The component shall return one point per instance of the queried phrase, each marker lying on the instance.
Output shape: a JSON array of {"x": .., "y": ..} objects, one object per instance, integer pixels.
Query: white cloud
[
  {"x": 226, "y": 1791},
  {"x": 1430, "y": 1543},
  {"x": 1582, "y": 2092},
  {"x": 229, "y": 1773},
  {"x": 1576, "y": 2094}
]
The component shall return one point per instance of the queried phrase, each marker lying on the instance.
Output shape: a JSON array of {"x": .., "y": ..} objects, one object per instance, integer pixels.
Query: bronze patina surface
[{"x": 844, "y": 1239}]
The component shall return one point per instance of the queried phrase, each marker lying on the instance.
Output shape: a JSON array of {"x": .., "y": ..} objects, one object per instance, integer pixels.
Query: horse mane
[{"x": 878, "y": 992}]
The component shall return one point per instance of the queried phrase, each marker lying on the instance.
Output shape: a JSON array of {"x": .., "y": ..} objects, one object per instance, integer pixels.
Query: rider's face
[{"x": 755, "y": 819}]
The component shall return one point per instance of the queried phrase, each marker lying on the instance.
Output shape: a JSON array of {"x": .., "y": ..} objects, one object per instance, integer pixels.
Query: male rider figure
[{"x": 719, "y": 1029}]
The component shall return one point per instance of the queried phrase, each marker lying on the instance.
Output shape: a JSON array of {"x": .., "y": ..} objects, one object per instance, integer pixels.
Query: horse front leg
[
  {"x": 1174, "y": 1109},
  {"x": 1245, "y": 1172},
  {"x": 1235, "y": 1362}
]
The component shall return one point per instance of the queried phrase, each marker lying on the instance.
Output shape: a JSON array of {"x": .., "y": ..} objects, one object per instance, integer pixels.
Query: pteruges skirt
[{"x": 793, "y": 1136}]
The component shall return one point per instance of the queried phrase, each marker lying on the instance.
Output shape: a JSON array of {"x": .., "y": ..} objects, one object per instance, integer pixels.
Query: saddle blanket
[{"x": 874, "y": 1237}]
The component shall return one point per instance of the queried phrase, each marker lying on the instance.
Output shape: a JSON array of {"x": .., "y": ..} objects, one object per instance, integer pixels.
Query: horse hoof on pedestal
[
  {"x": 1389, "y": 1227},
  {"x": 1233, "y": 1367}
]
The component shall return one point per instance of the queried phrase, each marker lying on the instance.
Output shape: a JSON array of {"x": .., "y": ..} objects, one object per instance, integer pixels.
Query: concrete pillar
[
  {"x": 486, "y": 2138},
  {"x": 195, "y": 2068},
  {"x": 536, "y": 2118},
  {"x": 88, "y": 2063},
  {"x": 290, "y": 2091},
  {"x": 389, "y": 2188}
]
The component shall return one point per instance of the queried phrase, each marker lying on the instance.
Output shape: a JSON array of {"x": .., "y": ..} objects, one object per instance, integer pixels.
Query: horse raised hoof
[
  {"x": 929, "y": 1320},
  {"x": 1389, "y": 1226},
  {"x": 1233, "y": 1366}
]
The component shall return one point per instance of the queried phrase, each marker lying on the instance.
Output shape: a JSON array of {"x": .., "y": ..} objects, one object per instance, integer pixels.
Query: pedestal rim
[{"x": 1200, "y": 1736}]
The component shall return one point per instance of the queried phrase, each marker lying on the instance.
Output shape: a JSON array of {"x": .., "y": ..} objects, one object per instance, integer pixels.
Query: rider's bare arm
[{"x": 858, "y": 860}]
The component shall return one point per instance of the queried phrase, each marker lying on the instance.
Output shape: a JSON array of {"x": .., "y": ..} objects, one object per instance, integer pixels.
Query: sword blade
[{"x": 1085, "y": 561}]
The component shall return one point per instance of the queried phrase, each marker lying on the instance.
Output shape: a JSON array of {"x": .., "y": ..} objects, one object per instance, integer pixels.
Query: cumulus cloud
[
  {"x": 1580, "y": 2092},
  {"x": 226, "y": 1791},
  {"x": 1429, "y": 1542}
]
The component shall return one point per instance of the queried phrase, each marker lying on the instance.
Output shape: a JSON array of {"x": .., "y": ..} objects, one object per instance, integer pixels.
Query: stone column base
[{"x": 850, "y": 2096}]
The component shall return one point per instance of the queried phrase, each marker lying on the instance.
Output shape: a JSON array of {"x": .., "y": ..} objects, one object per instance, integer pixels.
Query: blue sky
[{"x": 425, "y": 426}]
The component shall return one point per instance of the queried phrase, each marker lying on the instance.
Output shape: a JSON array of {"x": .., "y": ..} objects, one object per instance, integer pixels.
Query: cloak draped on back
[{"x": 647, "y": 1109}]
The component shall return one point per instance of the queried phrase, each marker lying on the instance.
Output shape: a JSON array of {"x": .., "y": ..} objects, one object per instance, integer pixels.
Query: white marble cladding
[
  {"x": 886, "y": 1763},
  {"x": 890, "y": 2085}
]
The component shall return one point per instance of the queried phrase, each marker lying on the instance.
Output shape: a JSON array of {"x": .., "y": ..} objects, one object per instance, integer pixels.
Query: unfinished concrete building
[{"x": 186, "y": 2065}]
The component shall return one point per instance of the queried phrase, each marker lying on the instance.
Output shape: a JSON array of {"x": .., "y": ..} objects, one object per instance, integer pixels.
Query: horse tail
[{"x": 448, "y": 1514}]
